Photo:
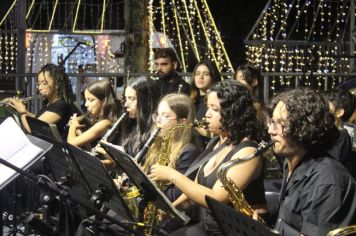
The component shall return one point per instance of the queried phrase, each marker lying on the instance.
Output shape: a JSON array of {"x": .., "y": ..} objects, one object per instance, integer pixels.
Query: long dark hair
[
  {"x": 60, "y": 80},
  {"x": 214, "y": 74},
  {"x": 147, "y": 99},
  {"x": 103, "y": 90},
  {"x": 250, "y": 72},
  {"x": 238, "y": 115}
]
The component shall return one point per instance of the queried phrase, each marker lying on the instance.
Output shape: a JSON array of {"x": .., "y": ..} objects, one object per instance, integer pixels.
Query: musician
[
  {"x": 168, "y": 79},
  {"x": 232, "y": 117},
  {"x": 173, "y": 110},
  {"x": 103, "y": 108},
  {"x": 53, "y": 84},
  {"x": 140, "y": 102},
  {"x": 250, "y": 77},
  {"x": 318, "y": 194},
  {"x": 205, "y": 75}
]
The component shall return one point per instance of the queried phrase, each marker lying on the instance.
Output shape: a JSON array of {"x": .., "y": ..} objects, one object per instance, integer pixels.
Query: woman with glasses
[
  {"x": 174, "y": 110},
  {"x": 103, "y": 108},
  {"x": 53, "y": 85},
  {"x": 232, "y": 117}
]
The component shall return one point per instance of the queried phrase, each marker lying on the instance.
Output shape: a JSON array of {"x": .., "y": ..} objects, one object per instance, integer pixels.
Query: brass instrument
[
  {"x": 132, "y": 194},
  {"x": 235, "y": 194},
  {"x": 23, "y": 100},
  {"x": 150, "y": 213},
  {"x": 347, "y": 230}
]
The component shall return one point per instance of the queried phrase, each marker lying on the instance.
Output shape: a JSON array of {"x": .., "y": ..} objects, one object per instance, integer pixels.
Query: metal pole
[
  {"x": 266, "y": 89},
  {"x": 21, "y": 42},
  {"x": 352, "y": 34}
]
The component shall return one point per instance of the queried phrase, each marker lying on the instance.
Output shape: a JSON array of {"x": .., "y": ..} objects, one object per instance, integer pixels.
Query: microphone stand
[{"x": 53, "y": 187}]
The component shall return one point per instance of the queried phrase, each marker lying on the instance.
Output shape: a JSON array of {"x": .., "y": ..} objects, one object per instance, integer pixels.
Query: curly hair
[
  {"x": 214, "y": 74},
  {"x": 238, "y": 115},
  {"x": 60, "y": 80},
  {"x": 309, "y": 121},
  {"x": 103, "y": 90}
]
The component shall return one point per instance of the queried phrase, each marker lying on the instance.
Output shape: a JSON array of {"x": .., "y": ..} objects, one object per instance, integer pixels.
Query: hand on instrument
[
  {"x": 16, "y": 104},
  {"x": 74, "y": 122},
  {"x": 159, "y": 172}
]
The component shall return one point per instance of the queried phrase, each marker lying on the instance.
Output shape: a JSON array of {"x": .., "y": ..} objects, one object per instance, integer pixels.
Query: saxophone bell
[{"x": 236, "y": 196}]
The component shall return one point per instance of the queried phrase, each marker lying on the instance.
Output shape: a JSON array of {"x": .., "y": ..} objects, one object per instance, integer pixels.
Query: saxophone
[
  {"x": 235, "y": 194},
  {"x": 151, "y": 213}
]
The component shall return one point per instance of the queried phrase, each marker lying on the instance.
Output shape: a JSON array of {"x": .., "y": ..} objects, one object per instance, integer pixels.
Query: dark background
[{"x": 234, "y": 19}]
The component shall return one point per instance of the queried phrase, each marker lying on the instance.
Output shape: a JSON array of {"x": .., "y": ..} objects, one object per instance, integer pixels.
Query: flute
[
  {"x": 5, "y": 102},
  {"x": 80, "y": 118}
]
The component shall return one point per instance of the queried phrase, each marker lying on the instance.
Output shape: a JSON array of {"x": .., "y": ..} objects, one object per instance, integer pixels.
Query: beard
[{"x": 166, "y": 76}]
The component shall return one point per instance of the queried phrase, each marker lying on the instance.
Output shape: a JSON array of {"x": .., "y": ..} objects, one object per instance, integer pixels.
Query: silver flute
[{"x": 23, "y": 100}]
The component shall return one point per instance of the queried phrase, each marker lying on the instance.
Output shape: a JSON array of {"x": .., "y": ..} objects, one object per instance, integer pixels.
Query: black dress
[{"x": 206, "y": 224}]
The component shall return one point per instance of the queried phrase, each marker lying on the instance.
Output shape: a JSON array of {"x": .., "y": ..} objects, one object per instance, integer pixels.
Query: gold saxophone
[
  {"x": 347, "y": 230},
  {"x": 151, "y": 215},
  {"x": 236, "y": 196}
]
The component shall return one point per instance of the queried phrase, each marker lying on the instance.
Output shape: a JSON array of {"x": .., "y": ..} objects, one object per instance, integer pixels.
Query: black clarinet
[{"x": 141, "y": 154}]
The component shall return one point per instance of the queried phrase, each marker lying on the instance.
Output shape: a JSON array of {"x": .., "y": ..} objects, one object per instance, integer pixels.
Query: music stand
[
  {"x": 42, "y": 129},
  {"x": 99, "y": 182},
  {"x": 23, "y": 153},
  {"x": 234, "y": 223},
  {"x": 64, "y": 171},
  {"x": 146, "y": 187}
]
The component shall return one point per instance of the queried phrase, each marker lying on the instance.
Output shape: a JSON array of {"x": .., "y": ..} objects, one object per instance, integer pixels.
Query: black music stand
[
  {"x": 99, "y": 183},
  {"x": 42, "y": 129},
  {"x": 146, "y": 187},
  {"x": 234, "y": 223}
]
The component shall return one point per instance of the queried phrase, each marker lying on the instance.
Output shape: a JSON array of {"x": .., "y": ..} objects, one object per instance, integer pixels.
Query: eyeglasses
[
  {"x": 277, "y": 126},
  {"x": 161, "y": 119}
]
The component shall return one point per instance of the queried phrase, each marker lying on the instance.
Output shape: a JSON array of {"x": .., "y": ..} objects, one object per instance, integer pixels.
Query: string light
[{"x": 315, "y": 21}]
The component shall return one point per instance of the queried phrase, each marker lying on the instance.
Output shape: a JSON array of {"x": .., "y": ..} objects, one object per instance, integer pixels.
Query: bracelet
[{"x": 23, "y": 113}]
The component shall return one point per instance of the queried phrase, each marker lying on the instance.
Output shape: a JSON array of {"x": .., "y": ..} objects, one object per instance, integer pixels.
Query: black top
[
  {"x": 200, "y": 107},
  {"x": 189, "y": 153},
  {"x": 63, "y": 109},
  {"x": 341, "y": 151},
  {"x": 166, "y": 87},
  {"x": 254, "y": 192},
  {"x": 319, "y": 196}
]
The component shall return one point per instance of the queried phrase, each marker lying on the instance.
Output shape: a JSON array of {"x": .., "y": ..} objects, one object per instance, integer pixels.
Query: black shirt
[
  {"x": 319, "y": 196},
  {"x": 200, "y": 107},
  {"x": 176, "y": 85},
  {"x": 61, "y": 108}
]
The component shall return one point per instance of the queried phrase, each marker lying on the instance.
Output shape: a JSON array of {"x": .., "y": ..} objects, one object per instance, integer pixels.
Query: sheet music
[{"x": 15, "y": 148}]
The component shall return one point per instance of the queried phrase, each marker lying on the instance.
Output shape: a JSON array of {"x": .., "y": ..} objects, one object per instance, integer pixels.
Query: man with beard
[
  {"x": 318, "y": 194},
  {"x": 169, "y": 81}
]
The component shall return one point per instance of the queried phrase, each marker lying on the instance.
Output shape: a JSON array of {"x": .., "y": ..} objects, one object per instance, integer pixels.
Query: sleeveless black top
[{"x": 254, "y": 192}]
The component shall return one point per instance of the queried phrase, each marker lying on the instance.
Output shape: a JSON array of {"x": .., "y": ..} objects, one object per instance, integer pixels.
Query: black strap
[
  {"x": 207, "y": 154},
  {"x": 196, "y": 165}
]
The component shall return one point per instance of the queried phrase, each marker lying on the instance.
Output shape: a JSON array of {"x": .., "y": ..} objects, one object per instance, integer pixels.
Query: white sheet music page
[{"x": 15, "y": 148}]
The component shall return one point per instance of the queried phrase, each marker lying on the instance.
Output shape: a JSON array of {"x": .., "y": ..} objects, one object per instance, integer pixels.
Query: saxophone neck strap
[{"x": 205, "y": 156}]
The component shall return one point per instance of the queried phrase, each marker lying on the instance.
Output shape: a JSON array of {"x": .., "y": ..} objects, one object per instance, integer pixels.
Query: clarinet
[
  {"x": 112, "y": 129},
  {"x": 141, "y": 154}
]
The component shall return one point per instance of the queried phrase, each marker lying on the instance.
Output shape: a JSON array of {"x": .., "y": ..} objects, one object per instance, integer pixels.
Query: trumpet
[{"x": 6, "y": 102}]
